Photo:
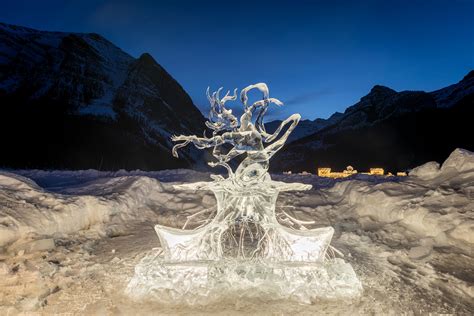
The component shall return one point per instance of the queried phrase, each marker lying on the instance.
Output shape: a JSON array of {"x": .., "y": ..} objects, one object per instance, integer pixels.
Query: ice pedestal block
[
  {"x": 208, "y": 282},
  {"x": 243, "y": 251}
]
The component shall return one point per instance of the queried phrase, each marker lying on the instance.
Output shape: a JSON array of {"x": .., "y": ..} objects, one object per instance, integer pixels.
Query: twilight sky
[{"x": 316, "y": 56}]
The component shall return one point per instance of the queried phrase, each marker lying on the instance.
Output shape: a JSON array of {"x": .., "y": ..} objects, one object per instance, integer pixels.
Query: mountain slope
[
  {"x": 305, "y": 127},
  {"x": 394, "y": 130},
  {"x": 380, "y": 96},
  {"x": 75, "y": 101}
]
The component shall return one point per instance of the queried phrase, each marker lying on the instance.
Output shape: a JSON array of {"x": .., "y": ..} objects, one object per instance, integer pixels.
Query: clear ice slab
[
  {"x": 208, "y": 282},
  {"x": 243, "y": 251}
]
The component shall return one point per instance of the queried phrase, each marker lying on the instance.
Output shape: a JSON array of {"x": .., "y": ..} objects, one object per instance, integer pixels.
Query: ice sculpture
[{"x": 243, "y": 251}]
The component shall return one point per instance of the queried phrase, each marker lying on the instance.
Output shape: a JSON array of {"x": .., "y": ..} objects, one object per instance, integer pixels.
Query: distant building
[
  {"x": 328, "y": 173},
  {"x": 376, "y": 171},
  {"x": 324, "y": 172},
  {"x": 349, "y": 171}
]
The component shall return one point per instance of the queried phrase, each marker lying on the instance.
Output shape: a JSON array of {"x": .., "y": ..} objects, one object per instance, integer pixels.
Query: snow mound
[
  {"x": 461, "y": 161},
  {"x": 28, "y": 211},
  {"x": 433, "y": 207},
  {"x": 65, "y": 180},
  {"x": 426, "y": 171}
]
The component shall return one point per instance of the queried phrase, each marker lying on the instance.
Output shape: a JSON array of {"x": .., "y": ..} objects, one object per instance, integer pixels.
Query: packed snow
[{"x": 69, "y": 240}]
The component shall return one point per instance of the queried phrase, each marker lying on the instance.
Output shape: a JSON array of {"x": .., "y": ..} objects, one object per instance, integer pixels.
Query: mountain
[
  {"x": 452, "y": 95},
  {"x": 75, "y": 101},
  {"x": 389, "y": 129},
  {"x": 304, "y": 127}
]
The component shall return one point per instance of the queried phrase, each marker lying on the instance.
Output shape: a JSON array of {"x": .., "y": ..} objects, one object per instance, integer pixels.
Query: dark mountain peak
[
  {"x": 468, "y": 77},
  {"x": 378, "y": 90},
  {"x": 169, "y": 89},
  {"x": 377, "y": 97},
  {"x": 146, "y": 61},
  {"x": 336, "y": 115},
  {"x": 146, "y": 58}
]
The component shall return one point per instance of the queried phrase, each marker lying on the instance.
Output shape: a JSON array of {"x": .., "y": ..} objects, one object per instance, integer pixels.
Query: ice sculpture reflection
[{"x": 243, "y": 250}]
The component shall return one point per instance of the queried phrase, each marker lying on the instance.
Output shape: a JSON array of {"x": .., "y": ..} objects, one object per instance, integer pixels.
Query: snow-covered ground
[{"x": 69, "y": 240}]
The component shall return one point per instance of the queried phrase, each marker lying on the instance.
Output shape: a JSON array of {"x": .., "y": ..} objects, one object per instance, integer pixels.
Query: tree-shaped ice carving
[
  {"x": 246, "y": 136},
  {"x": 243, "y": 247}
]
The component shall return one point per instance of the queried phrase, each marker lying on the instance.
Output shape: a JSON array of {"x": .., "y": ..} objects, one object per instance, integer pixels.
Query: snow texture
[{"x": 71, "y": 239}]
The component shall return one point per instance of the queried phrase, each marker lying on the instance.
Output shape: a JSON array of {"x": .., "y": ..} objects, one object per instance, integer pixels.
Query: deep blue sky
[{"x": 317, "y": 56}]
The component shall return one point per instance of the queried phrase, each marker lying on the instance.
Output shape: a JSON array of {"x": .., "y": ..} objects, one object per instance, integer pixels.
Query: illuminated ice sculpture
[{"x": 243, "y": 251}]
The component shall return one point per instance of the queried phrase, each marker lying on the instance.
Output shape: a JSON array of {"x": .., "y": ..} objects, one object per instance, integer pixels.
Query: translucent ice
[{"x": 243, "y": 250}]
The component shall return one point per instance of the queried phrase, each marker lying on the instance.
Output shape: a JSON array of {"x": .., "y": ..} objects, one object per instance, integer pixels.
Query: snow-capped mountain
[
  {"x": 380, "y": 103},
  {"x": 394, "y": 130},
  {"x": 72, "y": 100},
  {"x": 451, "y": 95}
]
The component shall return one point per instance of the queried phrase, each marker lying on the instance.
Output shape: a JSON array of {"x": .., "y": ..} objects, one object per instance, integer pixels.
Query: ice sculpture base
[{"x": 207, "y": 282}]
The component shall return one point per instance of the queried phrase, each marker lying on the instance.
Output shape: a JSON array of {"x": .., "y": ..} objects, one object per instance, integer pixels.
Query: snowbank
[
  {"x": 102, "y": 206},
  {"x": 410, "y": 239},
  {"x": 433, "y": 207}
]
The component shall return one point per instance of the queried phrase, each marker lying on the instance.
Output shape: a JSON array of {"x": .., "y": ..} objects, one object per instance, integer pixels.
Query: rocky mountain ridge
[
  {"x": 73, "y": 100},
  {"x": 394, "y": 130},
  {"x": 382, "y": 102},
  {"x": 77, "y": 101}
]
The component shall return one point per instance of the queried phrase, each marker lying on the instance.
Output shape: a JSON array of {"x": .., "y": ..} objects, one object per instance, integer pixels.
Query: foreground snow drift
[
  {"x": 29, "y": 211},
  {"x": 89, "y": 202},
  {"x": 65, "y": 235},
  {"x": 434, "y": 207}
]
